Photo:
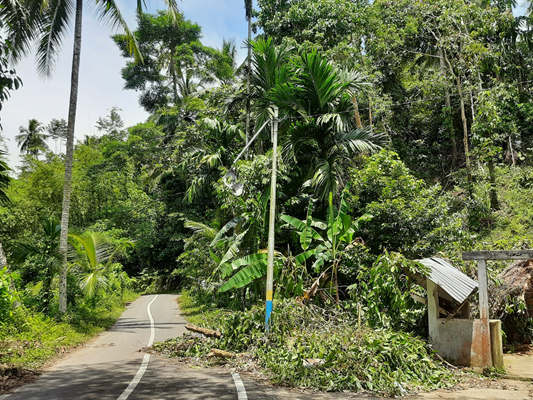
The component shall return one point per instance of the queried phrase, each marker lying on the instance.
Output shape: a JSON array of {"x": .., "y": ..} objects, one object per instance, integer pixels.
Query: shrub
[{"x": 6, "y": 298}]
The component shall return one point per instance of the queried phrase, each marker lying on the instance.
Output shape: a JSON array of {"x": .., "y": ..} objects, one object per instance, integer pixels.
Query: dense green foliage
[
  {"x": 407, "y": 214},
  {"x": 404, "y": 132}
]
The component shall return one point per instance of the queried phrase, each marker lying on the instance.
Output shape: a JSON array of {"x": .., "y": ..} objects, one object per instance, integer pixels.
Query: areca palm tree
[
  {"x": 4, "y": 183},
  {"x": 46, "y": 254},
  {"x": 206, "y": 158},
  {"x": 31, "y": 139},
  {"x": 47, "y": 22},
  {"x": 248, "y": 8},
  {"x": 270, "y": 70},
  {"x": 316, "y": 99}
]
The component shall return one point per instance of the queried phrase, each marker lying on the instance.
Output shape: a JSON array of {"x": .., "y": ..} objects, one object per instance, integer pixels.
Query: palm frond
[
  {"x": 320, "y": 81},
  {"x": 88, "y": 284},
  {"x": 172, "y": 10},
  {"x": 200, "y": 231},
  {"x": 109, "y": 13},
  {"x": 361, "y": 140},
  {"x": 94, "y": 246},
  {"x": 325, "y": 178},
  {"x": 24, "y": 250},
  {"x": 353, "y": 81},
  {"x": 54, "y": 25},
  {"x": 21, "y": 20}
]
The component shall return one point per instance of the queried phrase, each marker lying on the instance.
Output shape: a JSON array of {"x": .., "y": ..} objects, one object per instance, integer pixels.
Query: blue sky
[{"x": 101, "y": 85}]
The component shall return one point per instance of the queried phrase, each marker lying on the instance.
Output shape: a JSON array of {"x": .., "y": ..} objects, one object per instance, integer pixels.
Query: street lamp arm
[{"x": 249, "y": 144}]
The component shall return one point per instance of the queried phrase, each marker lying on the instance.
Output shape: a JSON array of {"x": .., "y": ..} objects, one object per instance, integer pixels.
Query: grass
[
  {"x": 197, "y": 313},
  {"x": 30, "y": 339}
]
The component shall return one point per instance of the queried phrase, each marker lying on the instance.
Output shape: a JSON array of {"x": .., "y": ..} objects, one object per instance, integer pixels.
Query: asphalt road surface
[{"x": 113, "y": 367}]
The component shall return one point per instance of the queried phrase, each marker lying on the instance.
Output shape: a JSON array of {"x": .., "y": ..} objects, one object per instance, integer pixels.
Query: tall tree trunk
[
  {"x": 370, "y": 112},
  {"x": 3, "y": 259},
  {"x": 174, "y": 79},
  {"x": 249, "y": 60},
  {"x": 512, "y": 152},
  {"x": 465, "y": 132},
  {"x": 356, "y": 113},
  {"x": 74, "y": 80},
  {"x": 447, "y": 103},
  {"x": 472, "y": 109},
  {"x": 494, "y": 204}
]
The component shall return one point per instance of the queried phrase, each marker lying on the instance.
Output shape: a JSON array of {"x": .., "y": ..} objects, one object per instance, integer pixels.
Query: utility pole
[
  {"x": 248, "y": 9},
  {"x": 272, "y": 221}
]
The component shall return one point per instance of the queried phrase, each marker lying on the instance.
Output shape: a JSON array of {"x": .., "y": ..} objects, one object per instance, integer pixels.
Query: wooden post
[
  {"x": 488, "y": 360},
  {"x": 496, "y": 342},
  {"x": 433, "y": 311},
  {"x": 484, "y": 314}
]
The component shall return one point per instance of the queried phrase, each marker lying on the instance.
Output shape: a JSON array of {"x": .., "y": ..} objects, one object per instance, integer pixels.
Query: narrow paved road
[
  {"x": 113, "y": 367},
  {"x": 108, "y": 366}
]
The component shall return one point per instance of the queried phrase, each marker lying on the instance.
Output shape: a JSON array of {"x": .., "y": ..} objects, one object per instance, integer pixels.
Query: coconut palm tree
[
  {"x": 48, "y": 22},
  {"x": 31, "y": 139}
]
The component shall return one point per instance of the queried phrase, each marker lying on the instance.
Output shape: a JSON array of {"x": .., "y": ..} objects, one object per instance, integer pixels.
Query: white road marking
[
  {"x": 241, "y": 391},
  {"x": 138, "y": 376}
]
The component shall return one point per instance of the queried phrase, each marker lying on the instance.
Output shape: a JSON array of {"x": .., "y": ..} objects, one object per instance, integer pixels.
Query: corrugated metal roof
[{"x": 450, "y": 279}]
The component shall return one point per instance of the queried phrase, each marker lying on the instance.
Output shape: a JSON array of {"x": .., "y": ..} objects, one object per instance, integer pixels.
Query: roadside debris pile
[
  {"x": 308, "y": 346},
  {"x": 12, "y": 377}
]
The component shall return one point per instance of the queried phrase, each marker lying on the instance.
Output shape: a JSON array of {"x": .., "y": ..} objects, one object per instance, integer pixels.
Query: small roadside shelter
[{"x": 456, "y": 337}]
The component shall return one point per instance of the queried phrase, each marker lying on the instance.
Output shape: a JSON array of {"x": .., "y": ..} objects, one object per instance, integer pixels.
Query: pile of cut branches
[{"x": 309, "y": 346}]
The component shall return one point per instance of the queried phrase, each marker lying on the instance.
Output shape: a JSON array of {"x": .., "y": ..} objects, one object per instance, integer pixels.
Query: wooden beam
[
  {"x": 203, "y": 331},
  {"x": 498, "y": 255}
]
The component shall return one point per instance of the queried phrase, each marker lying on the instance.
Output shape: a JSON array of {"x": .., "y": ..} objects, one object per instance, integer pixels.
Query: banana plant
[
  {"x": 254, "y": 266},
  {"x": 326, "y": 241}
]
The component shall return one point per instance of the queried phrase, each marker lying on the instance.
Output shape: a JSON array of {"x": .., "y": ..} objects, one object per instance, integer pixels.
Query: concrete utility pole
[
  {"x": 272, "y": 221},
  {"x": 237, "y": 190}
]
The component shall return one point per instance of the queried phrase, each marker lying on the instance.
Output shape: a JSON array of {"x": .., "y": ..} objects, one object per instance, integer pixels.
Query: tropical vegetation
[{"x": 404, "y": 132}]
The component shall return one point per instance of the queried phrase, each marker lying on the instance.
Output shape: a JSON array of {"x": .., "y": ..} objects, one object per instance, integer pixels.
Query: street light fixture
[{"x": 237, "y": 188}]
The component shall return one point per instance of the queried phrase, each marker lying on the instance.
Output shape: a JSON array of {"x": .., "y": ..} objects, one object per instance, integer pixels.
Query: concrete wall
[
  {"x": 459, "y": 340},
  {"x": 456, "y": 341}
]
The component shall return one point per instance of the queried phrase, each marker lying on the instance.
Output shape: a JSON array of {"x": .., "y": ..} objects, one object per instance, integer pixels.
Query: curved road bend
[{"x": 106, "y": 367}]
